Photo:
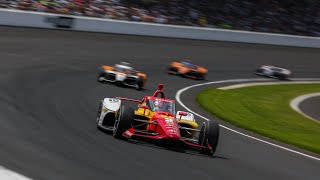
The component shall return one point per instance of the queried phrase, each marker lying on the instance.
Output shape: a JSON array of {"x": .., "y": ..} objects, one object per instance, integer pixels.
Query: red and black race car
[{"x": 155, "y": 119}]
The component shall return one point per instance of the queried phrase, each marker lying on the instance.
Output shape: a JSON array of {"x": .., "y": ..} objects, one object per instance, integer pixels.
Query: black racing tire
[
  {"x": 99, "y": 113},
  {"x": 100, "y": 75},
  {"x": 123, "y": 121},
  {"x": 140, "y": 83},
  {"x": 172, "y": 69},
  {"x": 202, "y": 134},
  {"x": 200, "y": 76},
  {"x": 259, "y": 71},
  {"x": 282, "y": 76},
  {"x": 209, "y": 135}
]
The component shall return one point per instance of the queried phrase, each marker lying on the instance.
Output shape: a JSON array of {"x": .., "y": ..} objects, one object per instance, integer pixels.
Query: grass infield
[{"x": 265, "y": 109}]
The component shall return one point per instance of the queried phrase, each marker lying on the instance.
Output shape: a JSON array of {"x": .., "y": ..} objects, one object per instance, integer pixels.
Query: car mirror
[{"x": 182, "y": 113}]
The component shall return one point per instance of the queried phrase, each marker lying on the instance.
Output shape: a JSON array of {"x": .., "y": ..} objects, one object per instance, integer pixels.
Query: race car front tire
[
  {"x": 123, "y": 121},
  {"x": 100, "y": 76},
  {"x": 99, "y": 114},
  {"x": 209, "y": 136},
  {"x": 259, "y": 71},
  {"x": 172, "y": 70}
]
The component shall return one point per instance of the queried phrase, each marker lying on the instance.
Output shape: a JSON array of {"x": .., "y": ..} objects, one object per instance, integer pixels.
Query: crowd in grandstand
[{"x": 299, "y": 17}]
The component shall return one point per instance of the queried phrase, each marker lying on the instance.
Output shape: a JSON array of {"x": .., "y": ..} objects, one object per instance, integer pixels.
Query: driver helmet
[
  {"x": 158, "y": 105},
  {"x": 187, "y": 62},
  {"x": 125, "y": 63}
]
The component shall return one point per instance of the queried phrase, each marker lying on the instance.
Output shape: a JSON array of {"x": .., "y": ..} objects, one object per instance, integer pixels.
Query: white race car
[
  {"x": 122, "y": 74},
  {"x": 273, "y": 72}
]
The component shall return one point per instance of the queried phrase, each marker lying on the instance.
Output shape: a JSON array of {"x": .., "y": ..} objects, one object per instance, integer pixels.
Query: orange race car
[
  {"x": 187, "y": 69},
  {"x": 122, "y": 74}
]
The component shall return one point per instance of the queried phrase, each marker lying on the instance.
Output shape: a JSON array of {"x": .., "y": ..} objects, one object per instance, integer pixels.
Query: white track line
[
  {"x": 296, "y": 101},
  {"x": 178, "y": 94},
  {"x": 236, "y": 86},
  {"x": 7, "y": 174}
]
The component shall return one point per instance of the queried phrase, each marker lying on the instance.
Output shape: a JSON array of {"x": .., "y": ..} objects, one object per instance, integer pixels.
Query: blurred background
[{"x": 297, "y": 17}]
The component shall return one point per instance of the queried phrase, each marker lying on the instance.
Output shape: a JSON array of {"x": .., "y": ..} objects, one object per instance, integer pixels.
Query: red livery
[{"x": 155, "y": 119}]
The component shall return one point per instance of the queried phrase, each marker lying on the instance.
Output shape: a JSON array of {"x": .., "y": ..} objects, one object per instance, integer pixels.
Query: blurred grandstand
[{"x": 298, "y": 17}]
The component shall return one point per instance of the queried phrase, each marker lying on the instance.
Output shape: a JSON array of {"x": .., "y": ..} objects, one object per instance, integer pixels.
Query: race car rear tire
[
  {"x": 282, "y": 76},
  {"x": 123, "y": 121},
  {"x": 140, "y": 83},
  {"x": 200, "y": 76},
  {"x": 209, "y": 136}
]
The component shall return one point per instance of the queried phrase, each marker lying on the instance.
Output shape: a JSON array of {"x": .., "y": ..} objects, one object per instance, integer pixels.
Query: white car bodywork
[
  {"x": 187, "y": 117},
  {"x": 122, "y": 73},
  {"x": 273, "y": 71},
  {"x": 108, "y": 106}
]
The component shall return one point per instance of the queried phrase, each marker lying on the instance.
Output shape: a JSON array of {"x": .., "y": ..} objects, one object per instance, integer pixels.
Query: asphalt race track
[
  {"x": 49, "y": 98},
  {"x": 309, "y": 105}
]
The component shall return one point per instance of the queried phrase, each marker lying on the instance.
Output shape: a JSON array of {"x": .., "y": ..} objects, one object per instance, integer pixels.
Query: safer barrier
[{"x": 76, "y": 23}]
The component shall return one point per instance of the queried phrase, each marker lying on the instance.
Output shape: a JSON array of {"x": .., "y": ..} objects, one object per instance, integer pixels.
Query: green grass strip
[{"x": 266, "y": 110}]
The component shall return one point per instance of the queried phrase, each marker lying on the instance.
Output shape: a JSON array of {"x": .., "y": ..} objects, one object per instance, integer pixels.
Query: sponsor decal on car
[
  {"x": 113, "y": 100},
  {"x": 104, "y": 109}
]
